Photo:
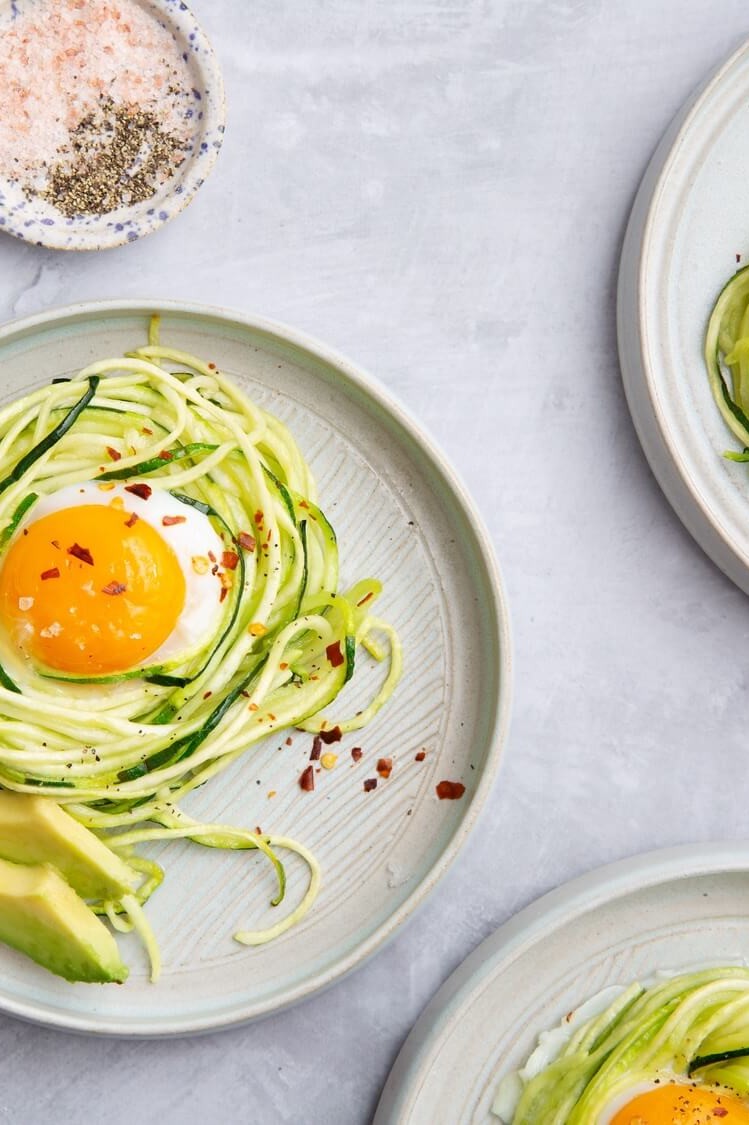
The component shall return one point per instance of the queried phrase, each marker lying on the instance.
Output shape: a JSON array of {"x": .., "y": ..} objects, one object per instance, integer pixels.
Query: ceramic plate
[
  {"x": 400, "y": 514},
  {"x": 673, "y": 909},
  {"x": 29, "y": 216},
  {"x": 689, "y": 228}
]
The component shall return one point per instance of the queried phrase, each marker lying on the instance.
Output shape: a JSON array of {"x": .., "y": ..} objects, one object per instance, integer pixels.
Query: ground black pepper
[{"x": 117, "y": 156}]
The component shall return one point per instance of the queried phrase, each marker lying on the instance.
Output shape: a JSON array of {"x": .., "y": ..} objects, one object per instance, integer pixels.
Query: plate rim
[
  {"x": 640, "y": 388},
  {"x": 499, "y": 616},
  {"x": 544, "y": 915}
]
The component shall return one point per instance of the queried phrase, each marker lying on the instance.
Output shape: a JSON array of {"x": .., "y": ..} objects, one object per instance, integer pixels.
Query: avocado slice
[
  {"x": 38, "y": 830},
  {"x": 41, "y": 916}
]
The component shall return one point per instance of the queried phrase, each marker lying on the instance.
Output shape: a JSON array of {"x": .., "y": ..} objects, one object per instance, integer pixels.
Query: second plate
[
  {"x": 688, "y": 230},
  {"x": 668, "y": 910}
]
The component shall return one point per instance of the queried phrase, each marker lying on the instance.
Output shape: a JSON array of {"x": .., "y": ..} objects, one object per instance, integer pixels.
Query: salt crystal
[{"x": 58, "y": 58}]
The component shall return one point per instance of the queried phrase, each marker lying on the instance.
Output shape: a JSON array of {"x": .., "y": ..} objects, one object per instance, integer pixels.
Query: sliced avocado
[
  {"x": 38, "y": 830},
  {"x": 41, "y": 916}
]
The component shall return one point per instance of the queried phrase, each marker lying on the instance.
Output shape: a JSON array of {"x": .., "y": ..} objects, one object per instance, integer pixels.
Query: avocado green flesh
[
  {"x": 37, "y": 830},
  {"x": 42, "y": 917}
]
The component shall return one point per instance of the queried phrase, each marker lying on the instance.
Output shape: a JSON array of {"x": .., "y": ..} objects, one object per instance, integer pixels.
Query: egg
[
  {"x": 101, "y": 578},
  {"x": 679, "y": 1103}
]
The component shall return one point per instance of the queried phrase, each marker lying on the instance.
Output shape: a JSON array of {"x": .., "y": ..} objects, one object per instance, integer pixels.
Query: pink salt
[{"x": 57, "y": 57}]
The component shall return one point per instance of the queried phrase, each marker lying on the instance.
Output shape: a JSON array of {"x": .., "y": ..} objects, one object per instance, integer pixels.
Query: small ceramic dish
[{"x": 29, "y": 208}]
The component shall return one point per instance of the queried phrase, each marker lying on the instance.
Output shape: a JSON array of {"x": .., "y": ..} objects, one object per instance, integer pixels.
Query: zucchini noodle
[
  {"x": 727, "y": 345},
  {"x": 286, "y": 639},
  {"x": 686, "y": 1033}
]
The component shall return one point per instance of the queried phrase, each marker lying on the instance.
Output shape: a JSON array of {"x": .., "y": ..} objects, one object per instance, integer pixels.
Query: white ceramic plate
[
  {"x": 689, "y": 222},
  {"x": 400, "y": 514},
  {"x": 673, "y": 909}
]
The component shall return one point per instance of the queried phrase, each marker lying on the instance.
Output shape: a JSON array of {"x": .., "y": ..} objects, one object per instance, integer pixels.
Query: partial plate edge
[
  {"x": 400, "y": 1095},
  {"x": 633, "y": 358}
]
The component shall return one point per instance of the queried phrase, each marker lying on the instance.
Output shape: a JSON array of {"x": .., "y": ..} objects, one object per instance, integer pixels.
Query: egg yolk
[
  {"x": 673, "y": 1104},
  {"x": 90, "y": 589}
]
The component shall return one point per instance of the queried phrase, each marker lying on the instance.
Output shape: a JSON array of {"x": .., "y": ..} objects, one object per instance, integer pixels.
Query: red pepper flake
[
  {"x": 450, "y": 790},
  {"x": 114, "y": 588},
  {"x": 289, "y": 740},
  {"x": 356, "y": 753},
  {"x": 165, "y": 455},
  {"x": 224, "y": 592},
  {"x": 316, "y": 749},
  {"x": 370, "y": 784},
  {"x": 258, "y": 517},
  {"x": 81, "y": 553},
  {"x": 283, "y": 666},
  {"x": 170, "y": 521},
  {"x": 53, "y": 572},
  {"x": 307, "y": 779},
  {"x": 720, "y": 1111},
  {"x": 140, "y": 488},
  {"x": 335, "y": 734},
  {"x": 146, "y": 430},
  {"x": 211, "y": 556},
  {"x": 114, "y": 455},
  {"x": 385, "y": 767},
  {"x": 54, "y": 542},
  {"x": 366, "y": 598},
  {"x": 229, "y": 560},
  {"x": 420, "y": 756},
  {"x": 212, "y": 367},
  {"x": 246, "y": 542},
  {"x": 131, "y": 522},
  {"x": 304, "y": 504},
  {"x": 334, "y": 654},
  {"x": 207, "y": 695}
]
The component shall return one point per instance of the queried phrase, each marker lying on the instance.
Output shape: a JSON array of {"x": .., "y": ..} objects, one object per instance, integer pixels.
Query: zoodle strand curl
[{"x": 286, "y": 639}]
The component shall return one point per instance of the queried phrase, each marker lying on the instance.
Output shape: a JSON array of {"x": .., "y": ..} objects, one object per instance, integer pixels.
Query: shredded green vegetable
[
  {"x": 727, "y": 358},
  {"x": 689, "y": 1027},
  {"x": 155, "y": 734}
]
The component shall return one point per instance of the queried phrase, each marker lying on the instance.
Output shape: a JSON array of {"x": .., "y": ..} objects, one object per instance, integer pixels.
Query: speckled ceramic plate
[
  {"x": 689, "y": 227},
  {"x": 672, "y": 910},
  {"x": 400, "y": 514},
  {"x": 29, "y": 216}
]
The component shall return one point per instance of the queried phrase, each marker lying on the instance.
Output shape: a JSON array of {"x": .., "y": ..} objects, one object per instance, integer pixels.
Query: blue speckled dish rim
[{"x": 36, "y": 221}]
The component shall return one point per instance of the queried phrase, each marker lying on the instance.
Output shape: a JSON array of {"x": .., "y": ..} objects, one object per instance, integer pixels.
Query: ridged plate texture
[{"x": 399, "y": 514}]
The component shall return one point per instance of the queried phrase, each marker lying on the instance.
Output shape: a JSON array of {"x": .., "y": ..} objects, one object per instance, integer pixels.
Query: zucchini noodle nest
[
  {"x": 675, "y": 1049},
  {"x": 119, "y": 751}
]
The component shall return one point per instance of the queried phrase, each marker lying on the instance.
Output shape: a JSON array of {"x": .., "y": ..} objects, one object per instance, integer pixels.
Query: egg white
[
  {"x": 549, "y": 1044},
  {"x": 626, "y": 1096},
  {"x": 203, "y": 610}
]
